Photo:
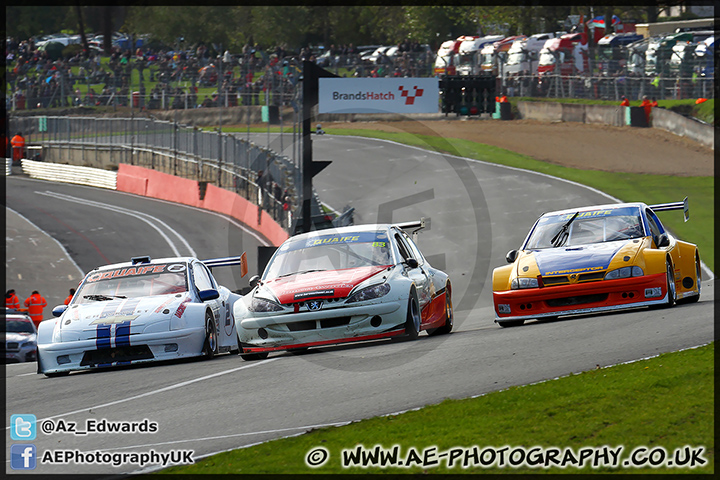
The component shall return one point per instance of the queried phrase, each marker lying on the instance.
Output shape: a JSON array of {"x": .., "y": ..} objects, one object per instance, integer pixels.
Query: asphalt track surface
[{"x": 477, "y": 213}]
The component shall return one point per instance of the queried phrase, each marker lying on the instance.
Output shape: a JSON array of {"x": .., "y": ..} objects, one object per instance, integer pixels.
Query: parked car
[{"x": 20, "y": 337}]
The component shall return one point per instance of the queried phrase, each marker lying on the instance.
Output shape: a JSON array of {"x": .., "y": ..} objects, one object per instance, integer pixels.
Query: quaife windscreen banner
[{"x": 378, "y": 95}]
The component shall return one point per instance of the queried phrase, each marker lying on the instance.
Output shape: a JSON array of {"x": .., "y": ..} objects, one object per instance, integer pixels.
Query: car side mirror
[
  {"x": 511, "y": 256},
  {"x": 412, "y": 263},
  {"x": 662, "y": 240},
  {"x": 209, "y": 294},
  {"x": 59, "y": 310},
  {"x": 254, "y": 280}
]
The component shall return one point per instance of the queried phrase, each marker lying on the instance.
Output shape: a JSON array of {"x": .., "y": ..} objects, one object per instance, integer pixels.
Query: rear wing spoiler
[
  {"x": 662, "y": 207},
  {"x": 229, "y": 262},
  {"x": 415, "y": 226}
]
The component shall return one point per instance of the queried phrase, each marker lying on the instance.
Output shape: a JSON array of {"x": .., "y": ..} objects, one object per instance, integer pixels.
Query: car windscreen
[
  {"x": 515, "y": 58},
  {"x": 330, "y": 252},
  {"x": 595, "y": 226},
  {"x": 18, "y": 326},
  {"x": 131, "y": 282}
]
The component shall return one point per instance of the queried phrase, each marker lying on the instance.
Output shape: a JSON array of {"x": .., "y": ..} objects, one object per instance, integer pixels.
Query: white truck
[
  {"x": 468, "y": 53},
  {"x": 523, "y": 55},
  {"x": 446, "y": 58}
]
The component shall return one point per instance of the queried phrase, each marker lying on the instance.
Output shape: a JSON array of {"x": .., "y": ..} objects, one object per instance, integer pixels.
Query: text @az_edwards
[
  {"x": 514, "y": 457},
  {"x": 92, "y": 425}
]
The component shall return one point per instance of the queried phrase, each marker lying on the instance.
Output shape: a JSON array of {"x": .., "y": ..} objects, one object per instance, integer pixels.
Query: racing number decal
[{"x": 228, "y": 322}]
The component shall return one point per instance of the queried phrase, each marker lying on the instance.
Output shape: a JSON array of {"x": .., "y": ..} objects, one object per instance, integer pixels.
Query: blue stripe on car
[
  {"x": 577, "y": 259},
  {"x": 103, "y": 336},
  {"x": 122, "y": 334}
]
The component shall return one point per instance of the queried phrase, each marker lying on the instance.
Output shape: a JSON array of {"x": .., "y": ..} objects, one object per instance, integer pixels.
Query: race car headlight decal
[
  {"x": 624, "y": 272},
  {"x": 262, "y": 305},
  {"x": 524, "y": 282},
  {"x": 375, "y": 291}
]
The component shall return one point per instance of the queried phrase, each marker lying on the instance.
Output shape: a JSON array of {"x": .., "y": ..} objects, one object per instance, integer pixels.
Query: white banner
[{"x": 378, "y": 95}]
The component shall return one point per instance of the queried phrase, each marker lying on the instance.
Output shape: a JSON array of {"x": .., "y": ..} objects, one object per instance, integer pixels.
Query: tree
[
  {"x": 81, "y": 28},
  {"x": 23, "y": 22}
]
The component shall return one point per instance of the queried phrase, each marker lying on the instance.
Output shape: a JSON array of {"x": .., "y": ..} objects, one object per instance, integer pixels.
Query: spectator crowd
[{"x": 155, "y": 77}]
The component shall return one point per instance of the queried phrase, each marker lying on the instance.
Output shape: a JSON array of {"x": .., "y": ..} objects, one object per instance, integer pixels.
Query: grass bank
[{"x": 664, "y": 402}]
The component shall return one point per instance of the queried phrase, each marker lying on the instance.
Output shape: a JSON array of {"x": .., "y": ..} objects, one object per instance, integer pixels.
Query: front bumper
[
  {"x": 324, "y": 327},
  {"x": 590, "y": 297},
  {"x": 144, "y": 347},
  {"x": 19, "y": 356}
]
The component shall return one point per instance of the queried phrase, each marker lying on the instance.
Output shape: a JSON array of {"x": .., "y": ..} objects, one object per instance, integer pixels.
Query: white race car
[
  {"x": 343, "y": 285},
  {"x": 141, "y": 311}
]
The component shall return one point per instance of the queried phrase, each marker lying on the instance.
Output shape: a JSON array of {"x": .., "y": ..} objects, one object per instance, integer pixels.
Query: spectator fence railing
[{"x": 226, "y": 160}]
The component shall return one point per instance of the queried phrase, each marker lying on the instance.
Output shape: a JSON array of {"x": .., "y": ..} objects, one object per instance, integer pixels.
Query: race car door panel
[{"x": 419, "y": 274}]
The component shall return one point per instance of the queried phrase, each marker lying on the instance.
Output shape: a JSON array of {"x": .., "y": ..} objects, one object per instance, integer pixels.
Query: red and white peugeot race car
[{"x": 343, "y": 285}]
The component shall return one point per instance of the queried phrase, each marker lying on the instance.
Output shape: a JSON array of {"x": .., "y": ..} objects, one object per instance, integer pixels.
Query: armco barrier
[
  {"x": 687, "y": 127},
  {"x": 573, "y": 112},
  {"x": 57, "y": 172},
  {"x": 605, "y": 115},
  {"x": 154, "y": 184},
  {"x": 542, "y": 111}
]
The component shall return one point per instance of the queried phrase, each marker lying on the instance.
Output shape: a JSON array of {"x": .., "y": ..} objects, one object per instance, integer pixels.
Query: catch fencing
[{"x": 226, "y": 160}]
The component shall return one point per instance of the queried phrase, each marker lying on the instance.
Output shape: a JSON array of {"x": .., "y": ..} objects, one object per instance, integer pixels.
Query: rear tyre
[
  {"x": 698, "y": 279},
  {"x": 449, "y": 316},
  {"x": 210, "y": 347}
]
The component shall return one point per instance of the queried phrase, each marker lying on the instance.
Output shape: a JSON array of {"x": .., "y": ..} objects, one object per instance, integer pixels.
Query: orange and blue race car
[{"x": 596, "y": 259}]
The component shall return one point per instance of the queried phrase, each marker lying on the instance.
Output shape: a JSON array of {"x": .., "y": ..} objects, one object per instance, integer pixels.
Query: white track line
[
  {"x": 82, "y": 274},
  {"x": 148, "y": 219}
]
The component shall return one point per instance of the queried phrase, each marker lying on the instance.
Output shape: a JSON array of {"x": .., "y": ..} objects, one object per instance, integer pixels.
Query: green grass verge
[{"x": 667, "y": 401}]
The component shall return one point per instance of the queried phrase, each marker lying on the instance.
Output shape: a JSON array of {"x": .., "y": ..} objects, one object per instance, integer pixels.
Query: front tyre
[
  {"x": 412, "y": 322},
  {"x": 249, "y": 357},
  {"x": 210, "y": 346}
]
